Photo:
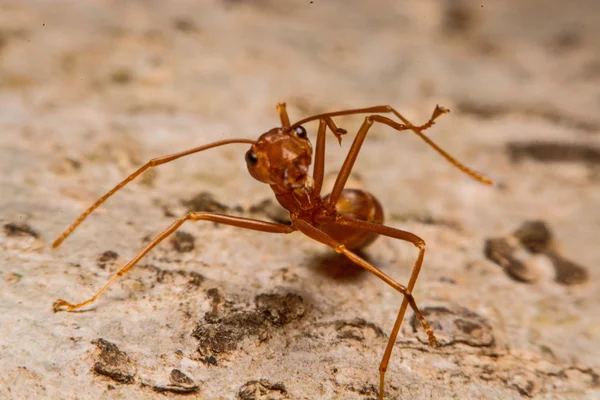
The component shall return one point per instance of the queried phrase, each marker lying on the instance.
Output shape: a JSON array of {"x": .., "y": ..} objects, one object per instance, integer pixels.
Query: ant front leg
[
  {"x": 320, "y": 236},
  {"x": 405, "y": 125},
  {"x": 252, "y": 224},
  {"x": 319, "y": 165},
  {"x": 150, "y": 164}
]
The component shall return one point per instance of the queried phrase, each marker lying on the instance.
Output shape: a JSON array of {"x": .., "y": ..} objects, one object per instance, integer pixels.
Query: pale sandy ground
[{"x": 89, "y": 90}]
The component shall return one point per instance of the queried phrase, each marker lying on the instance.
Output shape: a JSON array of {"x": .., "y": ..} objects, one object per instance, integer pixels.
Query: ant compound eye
[
  {"x": 251, "y": 158},
  {"x": 300, "y": 132}
]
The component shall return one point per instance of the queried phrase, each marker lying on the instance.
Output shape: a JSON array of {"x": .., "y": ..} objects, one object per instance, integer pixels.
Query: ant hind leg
[
  {"x": 408, "y": 300},
  {"x": 320, "y": 236}
]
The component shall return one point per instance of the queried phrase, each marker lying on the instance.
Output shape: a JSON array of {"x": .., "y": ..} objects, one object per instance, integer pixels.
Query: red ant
[{"x": 345, "y": 220}]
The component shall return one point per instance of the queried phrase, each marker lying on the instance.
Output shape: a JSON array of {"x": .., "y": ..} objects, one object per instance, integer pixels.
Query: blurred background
[{"x": 90, "y": 90}]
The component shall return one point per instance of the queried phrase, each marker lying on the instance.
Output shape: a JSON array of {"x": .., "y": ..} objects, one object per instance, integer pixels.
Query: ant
[{"x": 345, "y": 220}]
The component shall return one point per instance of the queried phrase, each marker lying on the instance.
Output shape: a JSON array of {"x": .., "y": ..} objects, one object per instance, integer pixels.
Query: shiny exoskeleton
[{"x": 345, "y": 220}]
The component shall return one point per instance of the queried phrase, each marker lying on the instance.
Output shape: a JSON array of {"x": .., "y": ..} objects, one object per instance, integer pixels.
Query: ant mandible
[{"x": 345, "y": 220}]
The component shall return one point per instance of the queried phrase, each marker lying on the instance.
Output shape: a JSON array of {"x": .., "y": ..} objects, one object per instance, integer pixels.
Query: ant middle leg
[{"x": 246, "y": 223}]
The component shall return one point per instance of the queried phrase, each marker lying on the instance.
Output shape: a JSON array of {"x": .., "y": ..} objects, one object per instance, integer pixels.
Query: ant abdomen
[{"x": 357, "y": 204}]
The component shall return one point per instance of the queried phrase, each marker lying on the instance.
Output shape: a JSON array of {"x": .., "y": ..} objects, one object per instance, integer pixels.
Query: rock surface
[{"x": 89, "y": 91}]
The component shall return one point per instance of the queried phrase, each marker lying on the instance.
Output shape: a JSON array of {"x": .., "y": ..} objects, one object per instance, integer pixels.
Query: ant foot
[
  {"x": 61, "y": 305},
  {"x": 439, "y": 110},
  {"x": 433, "y": 342},
  {"x": 338, "y": 134}
]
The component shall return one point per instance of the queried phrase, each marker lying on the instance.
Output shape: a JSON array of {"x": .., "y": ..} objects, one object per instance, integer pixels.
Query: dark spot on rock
[
  {"x": 351, "y": 334},
  {"x": 204, "y": 202},
  {"x": 567, "y": 272},
  {"x": 354, "y": 329},
  {"x": 179, "y": 383},
  {"x": 501, "y": 252},
  {"x": 214, "y": 295},
  {"x": 364, "y": 390},
  {"x": 524, "y": 382},
  {"x": 566, "y": 40},
  {"x": 121, "y": 76},
  {"x": 107, "y": 257},
  {"x": 66, "y": 165},
  {"x": 262, "y": 390},
  {"x": 185, "y": 25},
  {"x": 426, "y": 219},
  {"x": 553, "y": 152},
  {"x": 20, "y": 229},
  {"x": 7, "y": 34},
  {"x": 483, "y": 111},
  {"x": 167, "y": 211},
  {"x": 113, "y": 362},
  {"x": 216, "y": 300},
  {"x": 555, "y": 116},
  {"x": 458, "y": 18},
  {"x": 280, "y": 310},
  {"x": 431, "y": 220},
  {"x": 593, "y": 378},
  {"x": 447, "y": 279},
  {"x": 535, "y": 236},
  {"x": 343, "y": 331},
  {"x": 223, "y": 332},
  {"x": 183, "y": 242},
  {"x": 194, "y": 279},
  {"x": 467, "y": 327},
  {"x": 455, "y": 326},
  {"x": 262, "y": 4},
  {"x": 74, "y": 164},
  {"x": 179, "y": 378},
  {"x": 272, "y": 210}
]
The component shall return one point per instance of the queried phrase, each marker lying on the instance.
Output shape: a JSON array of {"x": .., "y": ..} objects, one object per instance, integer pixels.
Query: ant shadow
[{"x": 338, "y": 267}]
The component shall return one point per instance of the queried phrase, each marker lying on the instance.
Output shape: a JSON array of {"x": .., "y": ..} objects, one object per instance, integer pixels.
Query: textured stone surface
[{"x": 89, "y": 91}]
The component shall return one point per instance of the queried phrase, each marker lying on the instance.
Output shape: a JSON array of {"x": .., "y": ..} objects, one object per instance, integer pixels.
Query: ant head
[{"x": 281, "y": 157}]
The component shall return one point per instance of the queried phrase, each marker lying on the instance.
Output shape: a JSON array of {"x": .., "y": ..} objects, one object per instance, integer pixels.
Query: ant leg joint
[{"x": 340, "y": 249}]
